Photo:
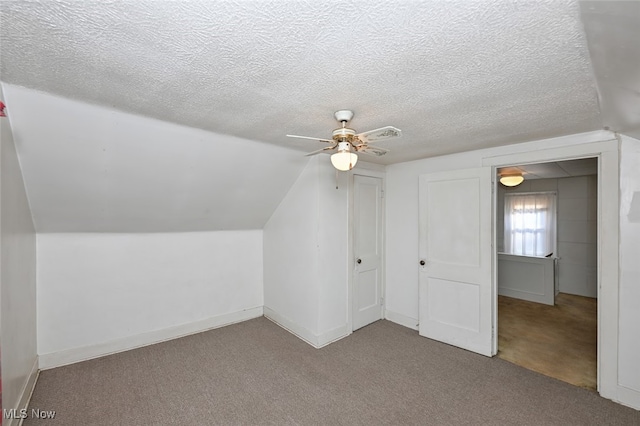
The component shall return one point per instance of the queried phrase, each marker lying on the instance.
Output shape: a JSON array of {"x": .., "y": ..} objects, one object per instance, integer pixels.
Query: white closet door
[{"x": 367, "y": 240}]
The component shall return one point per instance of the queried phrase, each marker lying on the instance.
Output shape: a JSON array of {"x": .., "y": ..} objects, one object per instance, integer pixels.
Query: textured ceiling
[{"x": 453, "y": 76}]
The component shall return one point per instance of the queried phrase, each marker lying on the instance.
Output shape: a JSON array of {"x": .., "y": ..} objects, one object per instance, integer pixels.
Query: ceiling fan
[{"x": 348, "y": 143}]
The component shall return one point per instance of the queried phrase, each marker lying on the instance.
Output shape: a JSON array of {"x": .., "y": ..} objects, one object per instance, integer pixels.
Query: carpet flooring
[
  {"x": 559, "y": 341},
  {"x": 256, "y": 373}
]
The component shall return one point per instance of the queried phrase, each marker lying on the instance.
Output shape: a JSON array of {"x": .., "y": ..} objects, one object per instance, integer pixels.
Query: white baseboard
[
  {"x": 315, "y": 340},
  {"x": 25, "y": 395},
  {"x": 333, "y": 335},
  {"x": 404, "y": 320},
  {"x": 71, "y": 356},
  {"x": 306, "y": 335},
  {"x": 628, "y": 397}
]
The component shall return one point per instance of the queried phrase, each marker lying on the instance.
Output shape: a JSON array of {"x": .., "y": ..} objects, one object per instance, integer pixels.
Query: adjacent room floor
[{"x": 558, "y": 341}]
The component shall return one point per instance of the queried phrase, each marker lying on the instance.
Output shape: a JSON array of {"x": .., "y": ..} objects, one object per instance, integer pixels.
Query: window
[{"x": 530, "y": 223}]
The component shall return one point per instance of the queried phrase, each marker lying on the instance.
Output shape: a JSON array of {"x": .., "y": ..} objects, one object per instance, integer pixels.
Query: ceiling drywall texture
[
  {"x": 93, "y": 169},
  {"x": 453, "y": 76},
  {"x": 613, "y": 32}
]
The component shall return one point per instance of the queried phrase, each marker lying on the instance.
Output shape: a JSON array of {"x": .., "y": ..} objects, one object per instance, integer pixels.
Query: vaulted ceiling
[{"x": 454, "y": 76}]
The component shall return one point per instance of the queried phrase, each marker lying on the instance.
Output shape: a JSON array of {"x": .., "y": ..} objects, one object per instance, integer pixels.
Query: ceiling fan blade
[
  {"x": 380, "y": 134},
  {"x": 328, "y": 148},
  {"x": 372, "y": 150},
  {"x": 313, "y": 139}
]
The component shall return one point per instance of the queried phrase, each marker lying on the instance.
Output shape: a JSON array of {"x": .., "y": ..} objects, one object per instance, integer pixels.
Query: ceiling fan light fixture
[
  {"x": 513, "y": 180},
  {"x": 346, "y": 143},
  {"x": 344, "y": 160}
]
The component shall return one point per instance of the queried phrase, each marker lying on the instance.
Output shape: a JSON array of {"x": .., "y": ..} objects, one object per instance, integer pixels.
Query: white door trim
[{"x": 608, "y": 154}]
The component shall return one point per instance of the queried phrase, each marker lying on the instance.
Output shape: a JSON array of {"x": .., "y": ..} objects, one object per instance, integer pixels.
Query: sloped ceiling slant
[
  {"x": 613, "y": 32},
  {"x": 93, "y": 169}
]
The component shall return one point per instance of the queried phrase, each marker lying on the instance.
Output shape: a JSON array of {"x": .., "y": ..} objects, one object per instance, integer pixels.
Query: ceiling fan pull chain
[{"x": 336, "y": 178}]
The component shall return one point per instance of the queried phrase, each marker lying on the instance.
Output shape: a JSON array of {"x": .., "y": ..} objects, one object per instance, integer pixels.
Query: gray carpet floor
[{"x": 256, "y": 373}]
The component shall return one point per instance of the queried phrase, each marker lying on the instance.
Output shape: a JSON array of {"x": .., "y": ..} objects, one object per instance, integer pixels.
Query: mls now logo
[
  {"x": 14, "y": 413},
  {"x": 35, "y": 413}
]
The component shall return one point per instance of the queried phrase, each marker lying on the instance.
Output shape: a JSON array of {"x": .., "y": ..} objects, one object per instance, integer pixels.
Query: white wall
[
  {"x": 577, "y": 229},
  {"x": 18, "y": 277},
  {"x": 620, "y": 379},
  {"x": 402, "y": 212},
  {"x": 629, "y": 371},
  {"x": 401, "y": 235},
  {"x": 333, "y": 241},
  {"x": 305, "y": 256},
  {"x": 578, "y": 235},
  {"x": 291, "y": 262},
  {"x": 95, "y": 288}
]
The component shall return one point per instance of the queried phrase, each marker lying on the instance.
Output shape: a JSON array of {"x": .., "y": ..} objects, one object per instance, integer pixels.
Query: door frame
[
  {"x": 607, "y": 152},
  {"x": 376, "y": 171}
]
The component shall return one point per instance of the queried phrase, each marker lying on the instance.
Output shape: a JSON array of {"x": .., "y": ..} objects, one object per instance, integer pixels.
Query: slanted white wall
[
  {"x": 95, "y": 169},
  {"x": 17, "y": 279},
  {"x": 620, "y": 378},
  {"x": 305, "y": 256},
  {"x": 629, "y": 371},
  {"x": 100, "y": 293}
]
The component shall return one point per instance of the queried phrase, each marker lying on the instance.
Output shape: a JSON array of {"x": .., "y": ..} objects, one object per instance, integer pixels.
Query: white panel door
[
  {"x": 455, "y": 301},
  {"x": 367, "y": 242}
]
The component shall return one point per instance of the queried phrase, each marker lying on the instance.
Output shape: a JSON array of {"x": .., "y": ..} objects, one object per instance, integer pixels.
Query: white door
[
  {"x": 367, "y": 242},
  {"x": 455, "y": 301}
]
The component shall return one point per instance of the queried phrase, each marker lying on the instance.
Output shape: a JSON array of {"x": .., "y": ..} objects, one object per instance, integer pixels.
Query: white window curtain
[{"x": 530, "y": 223}]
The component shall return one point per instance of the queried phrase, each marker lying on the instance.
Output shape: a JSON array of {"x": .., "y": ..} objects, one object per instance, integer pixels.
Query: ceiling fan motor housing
[{"x": 343, "y": 134}]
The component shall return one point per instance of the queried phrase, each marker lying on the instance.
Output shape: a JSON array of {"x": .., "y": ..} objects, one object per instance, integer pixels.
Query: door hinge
[
  {"x": 382, "y": 193},
  {"x": 382, "y": 301}
]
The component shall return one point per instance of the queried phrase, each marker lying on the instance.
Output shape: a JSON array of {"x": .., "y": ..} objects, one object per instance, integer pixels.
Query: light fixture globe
[
  {"x": 513, "y": 180},
  {"x": 344, "y": 160}
]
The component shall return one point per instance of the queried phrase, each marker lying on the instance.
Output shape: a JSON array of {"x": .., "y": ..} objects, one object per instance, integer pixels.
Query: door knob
[
  {"x": 422, "y": 262},
  {"x": 359, "y": 261}
]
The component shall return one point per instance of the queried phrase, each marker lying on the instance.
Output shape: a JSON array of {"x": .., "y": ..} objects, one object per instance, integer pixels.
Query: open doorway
[{"x": 546, "y": 235}]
